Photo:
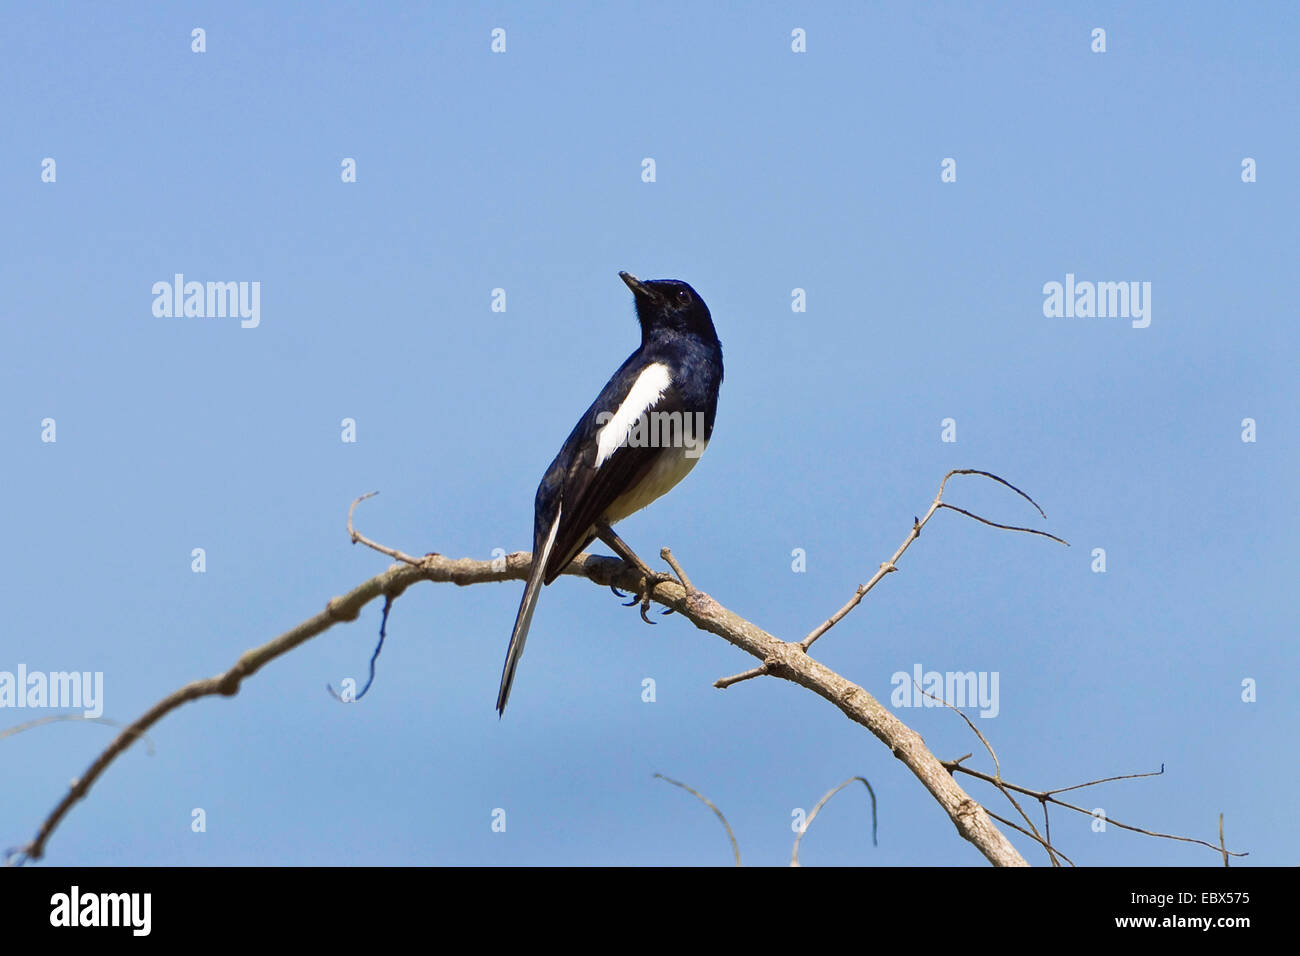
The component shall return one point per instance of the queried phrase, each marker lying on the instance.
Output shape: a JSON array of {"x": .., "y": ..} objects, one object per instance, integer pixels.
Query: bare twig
[
  {"x": 708, "y": 803},
  {"x": 722, "y": 683},
  {"x": 1040, "y": 840},
  {"x": 1093, "y": 783},
  {"x": 887, "y": 567},
  {"x": 1004, "y": 527},
  {"x": 667, "y": 555},
  {"x": 357, "y": 536},
  {"x": 1046, "y": 797},
  {"x": 997, "y": 767},
  {"x": 794, "y": 853},
  {"x": 379, "y": 646},
  {"x": 58, "y": 718},
  {"x": 917, "y": 524}
]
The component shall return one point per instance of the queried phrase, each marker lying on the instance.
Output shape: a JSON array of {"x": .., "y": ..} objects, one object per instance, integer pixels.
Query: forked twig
[
  {"x": 886, "y": 567},
  {"x": 997, "y": 767},
  {"x": 1047, "y": 797},
  {"x": 917, "y": 524},
  {"x": 357, "y": 536}
]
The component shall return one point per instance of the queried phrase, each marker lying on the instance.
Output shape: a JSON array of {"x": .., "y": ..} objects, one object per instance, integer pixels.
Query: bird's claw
[{"x": 642, "y": 595}]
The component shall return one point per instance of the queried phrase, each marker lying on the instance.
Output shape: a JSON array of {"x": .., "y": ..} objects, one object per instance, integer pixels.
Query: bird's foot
[{"x": 649, "y": 581}]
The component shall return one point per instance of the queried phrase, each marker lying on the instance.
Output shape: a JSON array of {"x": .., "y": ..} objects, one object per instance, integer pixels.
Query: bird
[{"x": 642, "y": 435}]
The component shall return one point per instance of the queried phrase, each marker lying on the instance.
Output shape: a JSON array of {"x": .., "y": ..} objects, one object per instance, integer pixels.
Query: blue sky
[{"x": 774, "y": 171}]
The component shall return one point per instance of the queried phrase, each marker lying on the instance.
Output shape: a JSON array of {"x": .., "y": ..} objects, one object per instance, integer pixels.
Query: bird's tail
[{"x": 525, "y": 616}]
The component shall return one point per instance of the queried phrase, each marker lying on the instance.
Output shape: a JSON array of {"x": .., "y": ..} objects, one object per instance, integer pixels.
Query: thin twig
[
  {"x": 1004, "y": 527},
  {"x": 997, "y": 767},
  {"x": 383, "y": 629},
  {"x": 1046, "y": 797},
  {"x": 1122, "y": 776},
  {"x": 357, "y": 536},
  {"x": 1033, "y": 836},
  {"x": 56, "y": 718},
  {"x": 724, "y": 682},
  {"x": 917, "y": 524},
  {"x": 667, "y": 555},
  {"x": 1000, "y": 481},
  {"x": 794, "y": 853},
  {"x": 708, "y": 803}
]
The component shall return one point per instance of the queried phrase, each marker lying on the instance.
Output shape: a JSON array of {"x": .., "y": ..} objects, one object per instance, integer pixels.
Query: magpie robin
[{"x": 641, "y": 436}]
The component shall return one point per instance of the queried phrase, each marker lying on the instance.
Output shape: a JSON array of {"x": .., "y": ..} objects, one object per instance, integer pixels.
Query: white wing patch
[{"x": 646, "y": 390}]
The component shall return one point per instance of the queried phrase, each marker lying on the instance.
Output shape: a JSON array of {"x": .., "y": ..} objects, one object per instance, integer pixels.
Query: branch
[{"x": 782, "y": 659}]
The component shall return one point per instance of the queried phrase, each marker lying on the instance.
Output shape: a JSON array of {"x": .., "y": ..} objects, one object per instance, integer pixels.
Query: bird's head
[{"x": 670, "y": 304}]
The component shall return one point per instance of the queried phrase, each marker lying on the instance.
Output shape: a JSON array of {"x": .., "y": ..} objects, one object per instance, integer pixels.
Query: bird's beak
[{"x": 638, "y": 287}]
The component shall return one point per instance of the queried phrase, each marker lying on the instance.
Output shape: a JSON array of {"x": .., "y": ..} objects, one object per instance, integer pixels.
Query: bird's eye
[{"x": 683, "y": 296}]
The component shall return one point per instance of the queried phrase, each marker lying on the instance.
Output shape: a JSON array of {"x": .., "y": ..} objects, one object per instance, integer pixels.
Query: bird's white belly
[{"x": 672, "y": 465}]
